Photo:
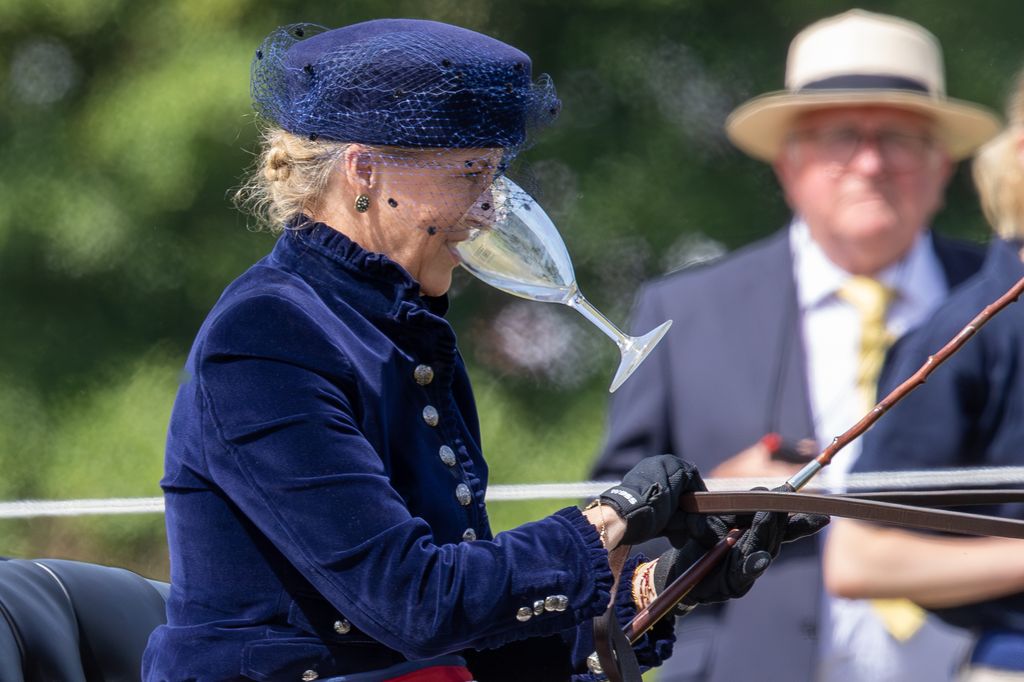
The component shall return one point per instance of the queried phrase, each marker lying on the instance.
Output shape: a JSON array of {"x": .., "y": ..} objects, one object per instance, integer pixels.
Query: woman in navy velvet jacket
[{"x": 324, "y": 478}]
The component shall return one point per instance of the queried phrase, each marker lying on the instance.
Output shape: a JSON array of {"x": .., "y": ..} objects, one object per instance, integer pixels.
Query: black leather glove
[
  {"x": 648, "y": 497},
  {"x": 747, "y": 560}
]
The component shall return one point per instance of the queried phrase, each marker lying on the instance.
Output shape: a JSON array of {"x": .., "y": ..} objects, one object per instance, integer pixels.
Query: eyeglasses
[{"x": 900, "y": 150}]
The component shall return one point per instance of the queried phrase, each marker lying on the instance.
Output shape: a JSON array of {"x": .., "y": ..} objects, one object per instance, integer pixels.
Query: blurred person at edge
[
  {"x": 863, "y": 141},
  {"x": 324, "y": 480},
  {"x": 969, "y": 414}
]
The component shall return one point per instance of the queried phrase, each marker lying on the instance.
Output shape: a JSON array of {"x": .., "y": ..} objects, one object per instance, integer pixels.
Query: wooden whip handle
[{"x": 680, "y": 587}]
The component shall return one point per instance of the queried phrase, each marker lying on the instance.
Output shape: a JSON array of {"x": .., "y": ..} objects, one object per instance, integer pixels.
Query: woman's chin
[{"x": 437, "y": 285}]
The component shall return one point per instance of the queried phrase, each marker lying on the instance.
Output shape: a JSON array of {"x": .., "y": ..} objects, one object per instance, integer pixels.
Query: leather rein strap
[
  {"x": 615, "y": 655},
  {"x": 919, "y": 509},
  {"x": 908, "y": 509}
]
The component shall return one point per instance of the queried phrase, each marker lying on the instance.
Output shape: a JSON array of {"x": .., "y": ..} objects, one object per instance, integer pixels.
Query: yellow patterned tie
[
  {"x": 901, "y": 617},
  {"x": 871, "y": 299}
]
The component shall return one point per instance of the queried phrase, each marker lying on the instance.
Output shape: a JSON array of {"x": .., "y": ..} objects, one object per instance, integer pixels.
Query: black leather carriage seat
[{"x": 67, "y": 621}]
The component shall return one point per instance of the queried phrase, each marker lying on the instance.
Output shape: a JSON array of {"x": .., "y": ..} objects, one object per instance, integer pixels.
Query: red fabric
[{"x": 436, "y": 673}]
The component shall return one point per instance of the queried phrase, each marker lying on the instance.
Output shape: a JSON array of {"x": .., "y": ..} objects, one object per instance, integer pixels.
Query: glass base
[{"x": 634, "y": 352}]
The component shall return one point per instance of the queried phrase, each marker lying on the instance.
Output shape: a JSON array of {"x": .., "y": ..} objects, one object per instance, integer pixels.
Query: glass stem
[{"x": 583, "y": 306}]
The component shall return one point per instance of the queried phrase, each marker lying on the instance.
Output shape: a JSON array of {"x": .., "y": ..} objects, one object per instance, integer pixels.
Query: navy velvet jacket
[
  {"x": 970, "y": 413},
  {"x": 325, "y": 488}
]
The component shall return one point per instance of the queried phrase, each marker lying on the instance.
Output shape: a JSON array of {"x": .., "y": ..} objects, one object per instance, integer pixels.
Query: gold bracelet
[
  {"x": 602, "y": 531},
  {"x": 643, "y": 584},
  {"x": 637, "y": 578},
  {"x": 652, "y": 591}
]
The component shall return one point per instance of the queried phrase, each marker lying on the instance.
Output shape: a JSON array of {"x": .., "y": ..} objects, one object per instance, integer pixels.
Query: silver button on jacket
[
  {"x": 342, "y": 627},
  {"x": 423, "y": 374},
  {"x": 430, "y": 415},
  {"x": 447, "y": 455},
  {"x": 469, "y": 535},
  {"x": 524, "y": 614},
  {"x": 463, "y": 494}
]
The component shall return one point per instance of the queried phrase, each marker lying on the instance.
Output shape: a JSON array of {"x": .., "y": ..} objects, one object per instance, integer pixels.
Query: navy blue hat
[{"x": 400, "y": 82}]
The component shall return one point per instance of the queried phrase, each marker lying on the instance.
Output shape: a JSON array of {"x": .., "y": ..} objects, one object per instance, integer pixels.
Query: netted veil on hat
[{"x": 400, "y": 82}]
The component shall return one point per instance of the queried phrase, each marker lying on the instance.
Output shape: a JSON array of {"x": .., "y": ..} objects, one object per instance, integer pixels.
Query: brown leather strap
[
  {"x": 614, "y": 651},
  {"x": 618, "y": 661},
  {"x": 943, "y": 498},
  {"x": 867, "y": 508}
]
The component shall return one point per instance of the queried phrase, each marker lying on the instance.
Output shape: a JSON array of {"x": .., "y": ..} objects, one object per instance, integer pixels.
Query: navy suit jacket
[
  {"x": 731, "y": 369},
  {"x": 968, "y": 414}
]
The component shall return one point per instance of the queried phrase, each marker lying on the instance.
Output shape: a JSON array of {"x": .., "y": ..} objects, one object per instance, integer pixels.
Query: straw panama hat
[{"x": 861, "y": 58}]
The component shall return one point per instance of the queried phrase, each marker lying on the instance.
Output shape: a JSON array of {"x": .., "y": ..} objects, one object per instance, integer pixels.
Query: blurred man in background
[{"x": 787, "y": 335}]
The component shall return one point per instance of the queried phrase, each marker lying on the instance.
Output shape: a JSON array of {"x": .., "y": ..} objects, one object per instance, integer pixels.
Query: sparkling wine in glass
[{"x": 512, "y": 245}]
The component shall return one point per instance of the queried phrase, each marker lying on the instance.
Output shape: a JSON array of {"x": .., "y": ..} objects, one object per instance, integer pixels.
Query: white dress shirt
[{"x": 854, "y": 645}]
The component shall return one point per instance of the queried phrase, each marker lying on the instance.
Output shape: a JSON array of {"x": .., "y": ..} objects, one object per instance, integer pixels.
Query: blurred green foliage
[{"x": 124, "y": 126}]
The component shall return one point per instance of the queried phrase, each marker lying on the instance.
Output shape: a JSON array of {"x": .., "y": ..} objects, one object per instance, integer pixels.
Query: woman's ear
[{"x": 359, "y": 167}]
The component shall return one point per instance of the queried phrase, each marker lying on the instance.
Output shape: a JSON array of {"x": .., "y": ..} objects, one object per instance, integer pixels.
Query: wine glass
[{"x": 511, "y": 244}]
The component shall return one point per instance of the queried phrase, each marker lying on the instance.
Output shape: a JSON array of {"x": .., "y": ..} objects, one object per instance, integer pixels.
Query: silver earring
[{"x": 362, "y": 203}]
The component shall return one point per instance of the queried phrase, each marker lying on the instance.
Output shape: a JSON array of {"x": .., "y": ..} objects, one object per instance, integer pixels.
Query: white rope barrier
[
  {"x": 26, "y": 509},
  {"x": 889, "y": 480},
  {"x": 901, "y": 480}
]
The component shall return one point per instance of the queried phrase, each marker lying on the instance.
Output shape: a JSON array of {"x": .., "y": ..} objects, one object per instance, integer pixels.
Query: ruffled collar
[{"x": 380, "y": 283}]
